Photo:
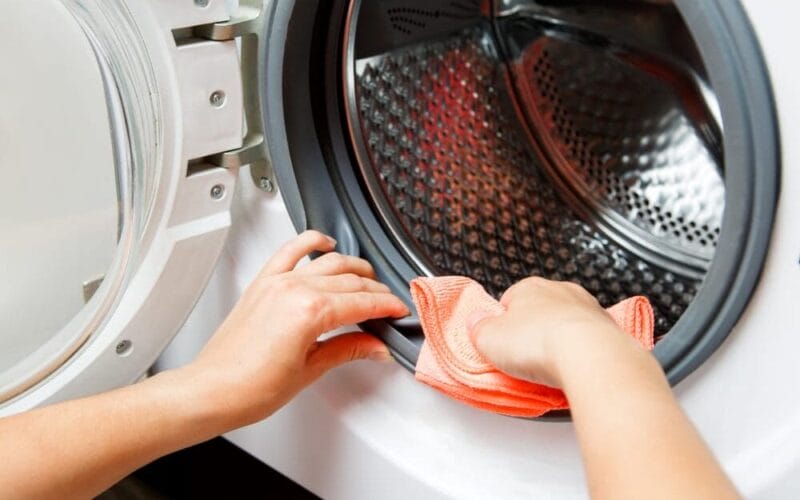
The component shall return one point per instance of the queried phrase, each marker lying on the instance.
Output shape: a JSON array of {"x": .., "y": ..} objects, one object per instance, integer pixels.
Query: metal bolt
[
  {"x": 124, "y": 347},
  {"x": 201, "y": 3},
  {"x": 218, "y": 191},
  {"x": 217, "y": 98},
  {"x": 266, "y": 184}
]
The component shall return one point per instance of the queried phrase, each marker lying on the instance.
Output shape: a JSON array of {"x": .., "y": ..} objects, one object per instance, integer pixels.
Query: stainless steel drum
[
  {"x": 532, "y": 143},
  {"x": 626, "y": 145}
]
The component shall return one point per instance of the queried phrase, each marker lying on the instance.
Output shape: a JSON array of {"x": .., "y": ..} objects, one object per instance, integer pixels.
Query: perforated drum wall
[
  {"x": 567, "y": 139},
  {"x": 453, "y": 171}
]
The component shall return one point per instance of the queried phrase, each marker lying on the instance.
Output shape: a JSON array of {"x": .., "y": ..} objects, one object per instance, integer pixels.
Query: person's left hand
[{"x": 266, "y": 351}]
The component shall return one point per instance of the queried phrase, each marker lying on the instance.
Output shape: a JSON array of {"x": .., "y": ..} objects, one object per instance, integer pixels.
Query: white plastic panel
[
  {"x": 211, "y": 95},
  {"x": 367, "y": 431}
]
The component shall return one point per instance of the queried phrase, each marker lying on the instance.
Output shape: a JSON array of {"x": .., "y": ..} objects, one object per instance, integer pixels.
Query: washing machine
[{"x": 631, "y": 146}]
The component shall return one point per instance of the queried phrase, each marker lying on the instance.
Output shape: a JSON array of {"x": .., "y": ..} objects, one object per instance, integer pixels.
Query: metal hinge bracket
[{"x": 246, "y": 26}]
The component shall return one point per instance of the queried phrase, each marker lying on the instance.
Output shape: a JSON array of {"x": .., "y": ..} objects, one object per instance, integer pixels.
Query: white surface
[
  {"x": 58, "y": 212},
  {"x": 368, "y": 431},
  {"x": 745, "y": 399},
  {"x": 187, "y": 227}
]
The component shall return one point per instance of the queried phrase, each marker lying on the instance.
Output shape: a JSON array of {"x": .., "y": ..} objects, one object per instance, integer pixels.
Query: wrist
[
  {"x": 599, "y": 355},
  {"x": 193, "y": 402}
]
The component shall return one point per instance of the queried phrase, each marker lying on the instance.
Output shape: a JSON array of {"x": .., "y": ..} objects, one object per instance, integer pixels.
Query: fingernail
[
  {"x": 331, "y": 240},
  {"x": 380, "y": 356}
]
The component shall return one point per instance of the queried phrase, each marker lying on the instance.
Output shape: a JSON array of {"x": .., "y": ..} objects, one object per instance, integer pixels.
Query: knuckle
[
  {"x": 377, "y": 306},
  {"x": 313, "y": 235},
  {"x": 366, "y": 265},
  {"x": 575, "y": 288},
  {"x": 338, "y": 261},
  {"x": 310, "y": 304},
  {"x": 371, "y": 306},
  {"x": 261, "y": 287},
  {"x": 525, "y": 286},
  {"x": 308, "y": 239},
  {"x": 351, "y": 279},
  {"x": 353, "y": 352},
  {"x": 534, "y": 281},
  {"x": 356, "y": 282},
  {"x": 283, "y": 285}
]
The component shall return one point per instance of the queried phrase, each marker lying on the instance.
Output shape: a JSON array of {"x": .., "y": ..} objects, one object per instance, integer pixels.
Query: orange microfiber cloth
[{"x": 449, "y": 362}]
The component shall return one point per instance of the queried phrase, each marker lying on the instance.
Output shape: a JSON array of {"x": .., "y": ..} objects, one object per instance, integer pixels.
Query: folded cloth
[{"x": 449, "y": 362}]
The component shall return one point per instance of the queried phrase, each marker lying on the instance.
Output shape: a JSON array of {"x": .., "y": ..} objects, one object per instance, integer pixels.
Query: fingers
[
  {"x": 345, "y": 348},
  {"x": 287, "y": 257},
  {"x": 347, "y": 283},
  {"x": 348, "y": 308},
  {"x": 336, "y": 263}
]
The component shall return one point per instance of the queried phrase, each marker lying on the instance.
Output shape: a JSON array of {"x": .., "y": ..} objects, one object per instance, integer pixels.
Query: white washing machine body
[{"x": 368, "y": 430}]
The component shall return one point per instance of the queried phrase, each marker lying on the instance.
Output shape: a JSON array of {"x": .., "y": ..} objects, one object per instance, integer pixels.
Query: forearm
[
  {"x": 79, "y": 448},
  {"x": 254, "y": 364},
  {"x": 636, "y": 440}
]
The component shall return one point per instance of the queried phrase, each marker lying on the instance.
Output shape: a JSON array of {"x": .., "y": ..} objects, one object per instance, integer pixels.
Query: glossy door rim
[{"x": 174, "y": 254}]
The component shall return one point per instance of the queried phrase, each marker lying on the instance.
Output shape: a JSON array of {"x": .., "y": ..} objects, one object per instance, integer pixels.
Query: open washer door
[{"x": 116, "y": 207}]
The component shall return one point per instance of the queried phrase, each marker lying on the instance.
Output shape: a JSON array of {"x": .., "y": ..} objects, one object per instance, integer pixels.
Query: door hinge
[
  {"x": 246, "y": 25},
  {"x": 246, "y": 21}
]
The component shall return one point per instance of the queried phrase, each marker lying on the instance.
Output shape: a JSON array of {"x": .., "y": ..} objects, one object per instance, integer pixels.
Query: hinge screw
[
  {"x": 217, "y": 98},
  {"x": 123, "y": 348},
  {"x": 266, "y": 184},
  {"x": 217, "y": 191}
]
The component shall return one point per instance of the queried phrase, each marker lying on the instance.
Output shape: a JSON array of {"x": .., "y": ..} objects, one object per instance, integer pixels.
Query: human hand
[
  {"x": 547, "y": 325},
  {"x": 624, "y": 413},
  {"x": 266, "y": 350}
]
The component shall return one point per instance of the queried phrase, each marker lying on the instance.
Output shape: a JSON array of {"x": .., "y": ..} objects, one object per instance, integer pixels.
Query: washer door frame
[{"x": 185, "y": 227}]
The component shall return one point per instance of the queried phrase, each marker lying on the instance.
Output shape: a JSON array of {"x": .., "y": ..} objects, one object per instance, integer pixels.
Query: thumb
[
  {"x": 347, "y": 347},
  {"x": 483, "y": 328}
]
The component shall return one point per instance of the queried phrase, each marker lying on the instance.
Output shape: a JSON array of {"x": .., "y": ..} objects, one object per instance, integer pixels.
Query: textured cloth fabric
[{"x": 449, "y": 362}]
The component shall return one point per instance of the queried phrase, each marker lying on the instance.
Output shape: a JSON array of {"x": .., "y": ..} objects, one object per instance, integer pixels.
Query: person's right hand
[
  {"x": 546, "y": 325},
  {"x": 626, "y": 418}
]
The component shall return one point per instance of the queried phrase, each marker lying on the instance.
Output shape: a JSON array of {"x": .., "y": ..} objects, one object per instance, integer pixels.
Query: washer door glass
[{"x": 77, "y": 194}]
